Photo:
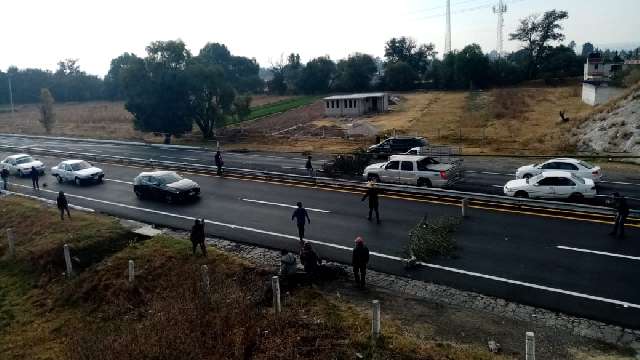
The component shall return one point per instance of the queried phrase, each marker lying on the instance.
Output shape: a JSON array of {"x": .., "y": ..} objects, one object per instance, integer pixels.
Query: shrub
[{"x": 433, "y": 237}]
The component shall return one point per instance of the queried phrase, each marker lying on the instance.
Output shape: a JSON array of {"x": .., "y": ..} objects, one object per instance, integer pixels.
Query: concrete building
[
  {"x": 356, "y": 104},
  {"x": 596, "y": 69},
  {"x": 596, "y": 87}
]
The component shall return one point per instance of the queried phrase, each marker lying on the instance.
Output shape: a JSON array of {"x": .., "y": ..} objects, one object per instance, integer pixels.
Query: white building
[
  {"x": 356, "y": 104},
  {"x": 597, "y": 75}
]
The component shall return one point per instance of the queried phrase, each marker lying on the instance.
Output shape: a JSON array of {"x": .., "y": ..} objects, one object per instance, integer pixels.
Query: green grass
[{"x": 274, "y": 108}]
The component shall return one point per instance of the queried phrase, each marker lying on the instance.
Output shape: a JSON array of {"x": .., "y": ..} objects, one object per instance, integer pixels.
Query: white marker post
[
  {"x": 375, "y": 320},
  {"x": 11, "y": 240},
  {"x": 67, "y": 260},
  {"x": 132, "y": 273},
  {"x": 205, "y": 281},
  {"x": 530, "y": 350},
  {"x": 465, "y": 207},
  {"x": 275, "y": 285}
]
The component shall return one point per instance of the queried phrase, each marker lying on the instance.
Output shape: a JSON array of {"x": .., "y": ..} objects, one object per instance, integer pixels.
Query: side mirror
[{"x": 536, "y": 184}]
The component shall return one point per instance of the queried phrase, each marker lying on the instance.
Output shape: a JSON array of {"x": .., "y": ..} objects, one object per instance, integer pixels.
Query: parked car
[
  {"x": 78, "y": 171},
  {"x": 165, "y": 185},
  {"x": 415, "y": 170},
  {"x": 21, "y": 164},
  {"x": 552, "y": 184},
  {"x": 577, "y": 167},
  {"x": 398, "y": 145}
]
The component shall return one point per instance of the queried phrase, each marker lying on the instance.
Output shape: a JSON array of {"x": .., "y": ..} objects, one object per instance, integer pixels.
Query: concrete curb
[{"x": 101, "y": 141}]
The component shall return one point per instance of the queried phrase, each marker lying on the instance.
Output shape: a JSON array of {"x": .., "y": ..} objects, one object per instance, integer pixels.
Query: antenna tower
[
  {"x": 500, "y": 9},
  {"x": 447, "y": 39}
]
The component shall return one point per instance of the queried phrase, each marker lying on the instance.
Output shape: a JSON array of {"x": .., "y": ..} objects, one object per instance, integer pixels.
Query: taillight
[
  {"x": 595, "y": 173},
  {"x": 443, "y": 174}
]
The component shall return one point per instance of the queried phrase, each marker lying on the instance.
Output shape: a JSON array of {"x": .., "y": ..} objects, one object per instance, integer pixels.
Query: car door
[
  {"x": 544, "y": 188},
  {"x": 407, "y": 174},
  {"x": 391, "y": 171},
  {"x": 11, "y": 166},
  {"x": 564, "y": 187},
  {"x": 550, "y": 166},
  {"x": 62, "y": 172}
]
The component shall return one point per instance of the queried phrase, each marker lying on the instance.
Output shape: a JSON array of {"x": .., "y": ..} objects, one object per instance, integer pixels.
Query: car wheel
[
  {"x": 139, "y": 194},
  {"x": 424, "y": 182},
  {"x": 78, "y": 181},
  {"x": 373, "y": 177},
  {"x": 521, "y": 194},
  {"x": 527, "y": 176},
  {"x": 577, "y": 197},
  {"x": 59, "y": 178}
]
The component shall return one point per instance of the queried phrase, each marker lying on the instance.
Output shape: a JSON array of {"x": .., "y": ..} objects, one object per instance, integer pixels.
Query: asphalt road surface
[
  {"x": 571, "y": 266},
  {"x": 483, "y": 175}
]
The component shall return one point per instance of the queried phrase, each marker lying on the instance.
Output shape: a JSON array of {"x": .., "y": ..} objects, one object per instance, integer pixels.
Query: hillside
[{"x": 613, "y": 127}]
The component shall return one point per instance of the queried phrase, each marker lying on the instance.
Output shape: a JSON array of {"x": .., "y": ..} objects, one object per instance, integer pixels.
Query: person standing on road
[
  {"x": 359, "y": 260},
  {"x": 372, "y": 193},
  {"x": 301, "y": 216},
  {"x": 4, "y": 173},
  {"x": 63, "y": 205},
  {"x": 309, "y": 166},
  {"x": 35, "y": 177},
  {"x": 622, "y": 211},
  {"x": 219, "y": 162},
  {"x": 198, "y": 237}
]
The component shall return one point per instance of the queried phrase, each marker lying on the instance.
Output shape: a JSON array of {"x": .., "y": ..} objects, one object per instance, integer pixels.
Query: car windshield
[
  {"x": 585, "y": 164},
  {"x": 24, "y": 160},
  {"x": 168, "y": 178},
  {"x": 534, "y": 180},
  {"x": 80, "y": 166}
]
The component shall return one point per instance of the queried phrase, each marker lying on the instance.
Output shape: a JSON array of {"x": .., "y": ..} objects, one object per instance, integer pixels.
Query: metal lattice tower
[
  {"x": 500, "y": 9},
  {"x": 447, "y": 38}
]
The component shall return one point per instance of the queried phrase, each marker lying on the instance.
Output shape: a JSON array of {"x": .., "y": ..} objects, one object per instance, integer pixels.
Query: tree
[
  {"x": 277, "y": 83},
  {"x": 240, "y": 72},
  {"x": 587, "y": 48},
  {"x": 472, "y": 66},
  {"x": 536, "y": 32},
  {"x": 355, "y": 73},
  {"x": 47, "y": 116},
  {"x": 242, "y": 107},
  {"x": 292, "y": 72},
  {"x": 406, "y": 50},
  {"x": 317, "y": 75},
  {"x": 561, "y": 62},
  {"x": 399, "y": 76},
  {"x": 114, "y": 89},
  {"x": 157, "y": 89}
]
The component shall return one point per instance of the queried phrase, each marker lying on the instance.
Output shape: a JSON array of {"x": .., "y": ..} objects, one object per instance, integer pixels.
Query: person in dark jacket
[
  {"x": 301, "y": 216},
  {"x": 622, "y": 211},
  {"x": 219, "y": 162},
  {"x": 309, "y": 166},
  {"x": 63, "y": 205},
  {"x": 309, "y": 260},
  {"x": 198, "y": 237},
  {"x": 372, "y": 193},
  {"x": 35, "y": 177},
  {"x": 4, "y": 174},
  {"x": 359, "y": 260}
]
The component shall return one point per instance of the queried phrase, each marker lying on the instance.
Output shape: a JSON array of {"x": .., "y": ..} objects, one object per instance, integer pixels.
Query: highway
[
  {"x": 484, "y": 174},
  {"x": 551, "y": 261}
]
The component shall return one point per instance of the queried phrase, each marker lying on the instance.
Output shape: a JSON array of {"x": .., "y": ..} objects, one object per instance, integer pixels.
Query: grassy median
[{"x": 164, "y": 314}]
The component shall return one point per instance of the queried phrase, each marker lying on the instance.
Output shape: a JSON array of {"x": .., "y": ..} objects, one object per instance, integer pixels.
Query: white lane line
[
  {"x": 284, "y": 205},
  {"x": 487, "y": 172},
  {"x": 599, "y": 252},
  {"x": 498, "y": 186},
  {"x": 177, "y": 158},
  {"x": 119, "y": 181},
  {"x": 391, "y": 257},
  {"x": 293, "y": 167}
]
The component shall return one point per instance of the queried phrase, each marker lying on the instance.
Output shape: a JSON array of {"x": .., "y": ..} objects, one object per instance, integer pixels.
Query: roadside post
[
  {"x": 275, "y": 285},
  {"x": 67, "y": 260},
  {"x": 132, "y": 274},
  {"x": 465, "y": 207},
  {"x": 530, "y": 350},
  {"x": 204, "y": 271},
  {"x": 11, "y": 240},
  {"x": 375, "y": 320}
]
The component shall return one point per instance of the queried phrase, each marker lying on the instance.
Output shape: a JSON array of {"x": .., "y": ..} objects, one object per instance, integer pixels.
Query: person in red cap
[{"x": 359, "y": 260}]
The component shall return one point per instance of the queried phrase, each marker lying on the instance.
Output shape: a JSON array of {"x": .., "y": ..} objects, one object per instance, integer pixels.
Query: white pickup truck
[{"x": 415, "y": 170}]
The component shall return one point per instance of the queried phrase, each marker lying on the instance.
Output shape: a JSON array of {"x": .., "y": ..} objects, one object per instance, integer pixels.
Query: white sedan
[
  {"x": 552, "y": 185},
  {"x": 577, "y": 167},
  {"x": 21, "y": 164},
  {"x": 78, "y": 171}
]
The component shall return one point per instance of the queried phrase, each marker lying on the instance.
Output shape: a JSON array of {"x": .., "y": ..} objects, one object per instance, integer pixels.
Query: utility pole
[
  {"x": 447, "y": 39},
  {"x": 10, "y": 93},
  {"x": 500, "y": 9}
]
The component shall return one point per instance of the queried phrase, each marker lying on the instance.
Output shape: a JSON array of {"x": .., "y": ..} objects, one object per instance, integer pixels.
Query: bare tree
[{"x": 47, "y": 116}]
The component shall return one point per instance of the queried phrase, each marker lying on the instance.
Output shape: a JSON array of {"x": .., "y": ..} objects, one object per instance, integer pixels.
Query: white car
[
  {"x": 414, "y": 170},
  {"x": 552, "y": 185},
  {"x": 78, "y": 171},
  {"x": 577, "y": 167},
  {"x": 21, "y": 164}
]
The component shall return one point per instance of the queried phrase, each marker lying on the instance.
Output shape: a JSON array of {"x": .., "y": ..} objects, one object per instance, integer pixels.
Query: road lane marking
[
  {"x": 284, "y": 205},
  {"x": 381, "y": 255},
  {"x": 119, "y": 181},
  {"x": 498, "y": 186},
  {"x": 599, "y": 252}
]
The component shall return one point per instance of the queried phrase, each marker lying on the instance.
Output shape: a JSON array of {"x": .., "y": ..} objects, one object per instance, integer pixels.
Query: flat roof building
[{"x": 356, "y": 104}]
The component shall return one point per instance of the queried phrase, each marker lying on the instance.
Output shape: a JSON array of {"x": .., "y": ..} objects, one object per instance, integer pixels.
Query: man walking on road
[
  {"x": 35, "y": 177},
  {"x": 219, "y": 162},
  {"x": 301, "y": 216},
  {"x": 359, "y": 260},
  {"x": 622, "y": 211},
  {"x": 63, "y": 205},
  {"x": 372, "y": 193},
  {"x": 198, "y": 237},
  {"x": 309, "y": 166},
  {"x": 4, "y": 173}
]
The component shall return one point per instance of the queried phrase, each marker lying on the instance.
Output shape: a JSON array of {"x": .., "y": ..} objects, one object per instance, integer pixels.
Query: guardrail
[{"x": 451, "y": 196}]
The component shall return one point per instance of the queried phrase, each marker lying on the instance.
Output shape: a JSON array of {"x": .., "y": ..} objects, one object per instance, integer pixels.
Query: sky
[{"x": 39, "y": 33}]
